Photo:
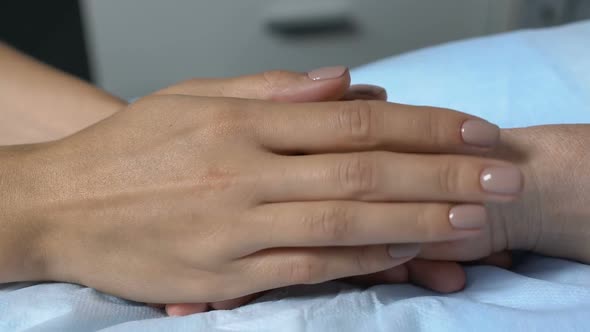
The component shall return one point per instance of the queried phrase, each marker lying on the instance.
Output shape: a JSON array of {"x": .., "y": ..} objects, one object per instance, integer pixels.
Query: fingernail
[
  {"x": 403, "y": 250},
  {"x": 366, "y": 91},
  {"x": 480, "y": 133},
  {"x": 468, "y": 216},
  {"x": 501, "y": 180},
  {"x": 327, "y": 73}
]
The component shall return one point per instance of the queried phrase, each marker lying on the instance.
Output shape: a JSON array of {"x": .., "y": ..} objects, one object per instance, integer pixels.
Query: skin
[
  {"x": 39, "y": 103},
  {"x": 441, "y": 276},
  {"x": 525, "y": 224},
  {"x": 70, "y": 105},
  {"x": 124, "y": 175}
]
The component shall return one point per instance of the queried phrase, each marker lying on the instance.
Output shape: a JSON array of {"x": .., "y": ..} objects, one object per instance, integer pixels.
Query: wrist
[
  {"x": 564, "y": 191},
  {"x": 552, "y": 217},
  {"x": 22, "y": 235},
  {"x": 515, "y": 224}
]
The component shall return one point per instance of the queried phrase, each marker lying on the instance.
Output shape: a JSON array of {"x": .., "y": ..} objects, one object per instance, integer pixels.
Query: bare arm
[{"x": 39, "y": 103}]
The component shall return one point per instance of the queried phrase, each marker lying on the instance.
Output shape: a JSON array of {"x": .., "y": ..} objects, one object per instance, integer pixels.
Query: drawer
[{"x": 137, "y": 46}]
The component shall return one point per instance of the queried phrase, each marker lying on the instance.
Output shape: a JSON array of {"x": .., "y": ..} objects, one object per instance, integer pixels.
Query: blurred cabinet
[{"x": 137, "y": 46}]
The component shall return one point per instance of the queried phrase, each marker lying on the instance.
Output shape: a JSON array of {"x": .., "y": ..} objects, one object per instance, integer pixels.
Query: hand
[
  {"x": 97, "y": 105},
  {"x": 441, "y": 276},
  {"x": 218, "y": 168},
  {"x": 551, "y": 218}
]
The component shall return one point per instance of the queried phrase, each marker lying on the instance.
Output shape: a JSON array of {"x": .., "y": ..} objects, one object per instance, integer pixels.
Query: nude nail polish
[
  {"x": 327, "y": 73},
  {"x": 403, "y": 250},
  {"x": 501, "y": 180},
  {"x": 468, "y": 216},
  {"x": 480, "y": 133}
]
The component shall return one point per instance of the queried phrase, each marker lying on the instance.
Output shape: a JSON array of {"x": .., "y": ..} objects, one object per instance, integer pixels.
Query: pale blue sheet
[{"x": 517, "y": 79}]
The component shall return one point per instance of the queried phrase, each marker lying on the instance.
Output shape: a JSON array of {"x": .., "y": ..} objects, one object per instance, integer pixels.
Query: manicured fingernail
[
  {"x": 327, "y": 73},
  {"x": 501, "y": 180},
  {"x": 366, "y": 91},
  {"x": 480, "y": 133},
  {"x": 403, "y": 250},
  {"x": 468, "y": 216}
]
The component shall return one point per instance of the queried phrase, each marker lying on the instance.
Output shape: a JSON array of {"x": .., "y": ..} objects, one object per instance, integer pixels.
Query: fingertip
[
  {"x": 365, "y": 92},
  {"x": 324, "y": 84},
  {"x": 394, "y": 275},
  {"x": 501, "y": 259},
  {"x": 185, "y": 309},
  {"x": 440, "y": 276},
  {"x": 328, "y": 73},
  {"x": 233, "y": 303}
]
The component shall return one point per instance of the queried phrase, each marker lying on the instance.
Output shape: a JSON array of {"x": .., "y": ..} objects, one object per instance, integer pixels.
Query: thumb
[{"x": 324, "y": 84}]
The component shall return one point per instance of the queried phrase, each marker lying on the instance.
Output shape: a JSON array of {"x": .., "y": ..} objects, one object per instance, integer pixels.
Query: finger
[
  {"x": 185, "y": 309},
  {"x": 388, "y": 176},
  {"x": 395, "y": 275},
  {"x": 343, "y": 223},
  {"x": 319, "y": 85},
  {"x": 292, "y": 266},
  {"x": 234, "y": 303},
  {"x": 462, "y": 250},
  {"x": 500, "y": 259},
  {"x": 360, "y": 125},
  {"x": 439, "y": 276},
  {"x": 365, "y": 92}
]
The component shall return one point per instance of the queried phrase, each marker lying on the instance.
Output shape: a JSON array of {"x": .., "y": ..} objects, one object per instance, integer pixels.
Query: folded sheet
[{"x": 516, "y": 79}]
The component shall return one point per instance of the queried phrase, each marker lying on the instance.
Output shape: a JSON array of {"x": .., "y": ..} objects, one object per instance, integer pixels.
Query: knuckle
[
  {"x": 448, "y": 177},
  {"x": 356, "y": 119},
  {"x": 272, "y": 80},
  {"x": 439, "y": 128},
  {"x": 431, "y": 129},
  {"x": 357, "y": 174},
  {"x": 305, "y": 269},
  {"x": 225, "y": 115},
  {"x": 331, "y": 223},
  {"x": 365, "y": 261}
]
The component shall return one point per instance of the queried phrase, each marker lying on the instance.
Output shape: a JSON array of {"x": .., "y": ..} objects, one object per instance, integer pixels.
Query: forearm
[{"x": 39, "y": 103}]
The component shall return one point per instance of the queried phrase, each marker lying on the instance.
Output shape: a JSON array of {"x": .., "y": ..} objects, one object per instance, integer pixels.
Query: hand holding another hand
[{"x": 207, "y": 198}]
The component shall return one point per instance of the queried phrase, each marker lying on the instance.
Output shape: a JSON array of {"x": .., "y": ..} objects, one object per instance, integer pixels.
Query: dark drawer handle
[{"x": 306, "y": 18}]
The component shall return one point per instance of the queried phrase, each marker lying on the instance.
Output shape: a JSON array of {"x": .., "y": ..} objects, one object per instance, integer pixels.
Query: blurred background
[{"x": 132, "y": 47}]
